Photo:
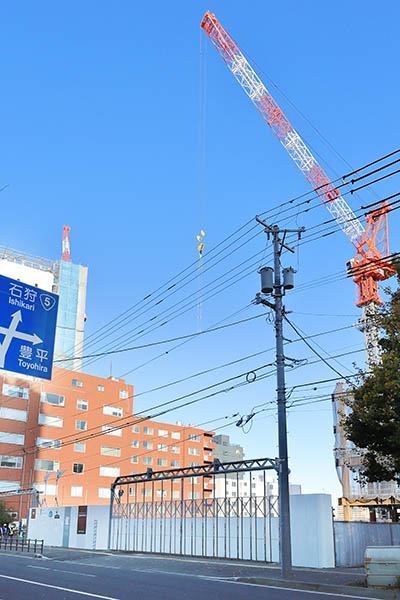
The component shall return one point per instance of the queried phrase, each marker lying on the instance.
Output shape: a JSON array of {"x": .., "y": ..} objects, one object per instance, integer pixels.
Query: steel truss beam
[{"x": 215, "y": 468}]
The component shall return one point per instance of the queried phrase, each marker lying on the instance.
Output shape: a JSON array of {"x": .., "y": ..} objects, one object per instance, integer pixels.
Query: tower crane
[{"x": 371, "y": 263}]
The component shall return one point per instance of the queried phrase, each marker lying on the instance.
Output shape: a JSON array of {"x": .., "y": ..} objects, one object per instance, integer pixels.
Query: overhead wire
[{"x": 248, "y": 223}]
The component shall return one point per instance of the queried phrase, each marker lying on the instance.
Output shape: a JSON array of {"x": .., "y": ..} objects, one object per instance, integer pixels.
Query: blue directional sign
[{"x": 28, "y": 318}]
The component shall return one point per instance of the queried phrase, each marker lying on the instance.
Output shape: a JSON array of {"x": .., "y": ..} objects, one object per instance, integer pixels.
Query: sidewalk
[{"x": 347, "y": 582}]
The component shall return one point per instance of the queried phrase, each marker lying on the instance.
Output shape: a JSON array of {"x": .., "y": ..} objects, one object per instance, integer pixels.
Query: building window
[
  {"x": 147, "y": 460},
  {"x": 76, "y": 490},
  {"x": 146, "y": 492},
  {"x": 109, "y": 471},
  {"x": 111, "y": 430},
  {"x": 132, "y": 491},
  {"x": 80, "y": 425},
  {"x": 161, "y": 493},
  {"x": 47, "y": 443},
  {"x": 194, "y": 451},
  {"x": 79, "y": 447},
  {"x": 7, "y": 485},
  {"x": 135, "y": 444},
  {"x": 162, "y": 448},
  {"x": 193, "y": 437},
  {"x": 77, "y": 383},
  {"x": 175, "y": 494},
  {"x": 148, "y": 430},
  {"x": 113, "y": 411},
  {"x": 193, "y": 495},
  {"x": 109, "y": 451},
  {"x": 124, "y": 394},
  {"x": 148, "y": 445},
  {"x": 82, "y": 404},
  {"x": 11, "y": 462},
  {"x": 49, "y": 488},
  {"x": 175, "y": 449},
  {"x": 175, "y": 435},
  {"x": 77, "y": 468},
  {"x": 14, "y": 414},
  {"x": 12, "y": 438},
  {"x": 162, "y": 462},
  {"x": 135, "y": 429},
  {"x": 46, "y": 465},
  {"x": 100, "y": 388},
  {"x": 175, "y": 463},
  {"x": 104, "y": 493},
  {"x": 50, "y": 421},
  {"x": 54, "y": 399},
  {"x": 194, "y": 480},
  {"x": 15, "y": 391},
  {"x": 194, "y": 464},
  {"x": 163, "y": 432},
  {"x": 134, "y": 460}
]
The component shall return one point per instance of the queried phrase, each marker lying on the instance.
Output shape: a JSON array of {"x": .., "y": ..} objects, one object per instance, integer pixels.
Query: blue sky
[{"x": 101, "y": 114}]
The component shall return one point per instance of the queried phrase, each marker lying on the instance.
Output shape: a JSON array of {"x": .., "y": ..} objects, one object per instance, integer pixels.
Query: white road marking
[
  {"x": 273, "y": 587},
  {"x": 277, "y": 587},
  {"x": 85, "y": 564},
  {"x": 56, "y": 587},
  {"x": 61, "y": 571}
]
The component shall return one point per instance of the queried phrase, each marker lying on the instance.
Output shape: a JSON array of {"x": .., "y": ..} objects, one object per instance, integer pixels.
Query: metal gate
[{"x": 222, "y": 510}]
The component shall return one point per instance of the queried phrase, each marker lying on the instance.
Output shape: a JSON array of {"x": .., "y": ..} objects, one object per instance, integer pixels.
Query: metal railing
[{"x": 22, "y": 545}]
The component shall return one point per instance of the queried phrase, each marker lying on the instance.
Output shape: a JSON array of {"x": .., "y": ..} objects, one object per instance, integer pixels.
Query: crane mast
[{"x": 371, "y": 263}]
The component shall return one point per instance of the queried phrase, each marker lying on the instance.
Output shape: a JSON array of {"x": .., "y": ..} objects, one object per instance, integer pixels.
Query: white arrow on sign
[{"x": 12, "y": 332}]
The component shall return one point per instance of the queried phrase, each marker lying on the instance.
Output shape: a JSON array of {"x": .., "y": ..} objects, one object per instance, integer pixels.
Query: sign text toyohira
[{"x": 28, "y": 317}]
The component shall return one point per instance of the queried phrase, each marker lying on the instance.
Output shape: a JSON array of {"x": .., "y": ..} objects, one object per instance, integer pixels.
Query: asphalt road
[{"x": 88, "y": 576}]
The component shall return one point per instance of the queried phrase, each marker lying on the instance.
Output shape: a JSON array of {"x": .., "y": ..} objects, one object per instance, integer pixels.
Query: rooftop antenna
[{"x": 65, "y": 243}]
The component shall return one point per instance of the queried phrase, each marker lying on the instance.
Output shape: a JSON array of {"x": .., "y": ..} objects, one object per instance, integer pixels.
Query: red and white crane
[{"x": 371, "y": 263}]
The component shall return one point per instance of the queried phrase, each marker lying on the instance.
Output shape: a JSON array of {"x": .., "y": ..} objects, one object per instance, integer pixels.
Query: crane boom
[
  {"x": 280, "y": 125},
  {"x": 372, "y": 261}
]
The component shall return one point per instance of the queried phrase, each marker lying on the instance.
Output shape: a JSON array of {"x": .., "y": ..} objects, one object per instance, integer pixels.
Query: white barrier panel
[{"x": 311, "y": 521}]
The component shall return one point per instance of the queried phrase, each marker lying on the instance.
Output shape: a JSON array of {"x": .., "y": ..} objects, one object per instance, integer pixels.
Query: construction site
[{"x": 204, "y": 374}]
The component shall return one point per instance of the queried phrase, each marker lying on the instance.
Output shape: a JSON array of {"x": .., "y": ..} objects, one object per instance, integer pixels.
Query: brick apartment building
[{"x": 82, "y": 428}]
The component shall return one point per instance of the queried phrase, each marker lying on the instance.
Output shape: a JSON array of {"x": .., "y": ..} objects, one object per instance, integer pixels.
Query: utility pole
[{"x": 271, "y": 283}]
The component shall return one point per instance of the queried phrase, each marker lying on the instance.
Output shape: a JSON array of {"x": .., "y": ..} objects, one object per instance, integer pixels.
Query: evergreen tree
[
  {"x": 374, "y": 423},
  {"x": 5, "y": 516}
]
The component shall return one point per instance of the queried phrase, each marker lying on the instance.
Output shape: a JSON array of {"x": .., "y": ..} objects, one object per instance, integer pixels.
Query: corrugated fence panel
[{"x": 351, "y": 540}]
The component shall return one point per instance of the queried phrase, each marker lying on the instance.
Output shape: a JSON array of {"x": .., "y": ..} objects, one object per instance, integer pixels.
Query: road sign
[{"x": 28, "y": 318}]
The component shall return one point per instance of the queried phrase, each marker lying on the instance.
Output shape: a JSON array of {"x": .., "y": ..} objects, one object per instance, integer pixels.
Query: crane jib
[{"x": 371, "y": 241}]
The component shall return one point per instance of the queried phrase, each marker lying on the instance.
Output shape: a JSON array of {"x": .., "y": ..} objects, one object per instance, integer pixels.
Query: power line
[
  {"x": 167, "y": 341},
  {"x": 311, "y": 347}
]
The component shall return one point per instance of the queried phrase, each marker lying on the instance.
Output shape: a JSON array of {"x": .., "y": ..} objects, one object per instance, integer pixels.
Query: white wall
[
  {"x": 63, "y": 531},
  {"x": 311, "y": 522},
  {"x": 29, "y": 275}
]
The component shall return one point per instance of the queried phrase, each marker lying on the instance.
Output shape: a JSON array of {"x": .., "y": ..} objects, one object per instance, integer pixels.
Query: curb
[{"x": 345, "y": 590}]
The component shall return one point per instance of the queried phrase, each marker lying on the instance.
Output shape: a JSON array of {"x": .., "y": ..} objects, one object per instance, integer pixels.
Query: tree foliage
[
  {"x": 5, "y": 516},
  {"x": 374, "y": 423}
]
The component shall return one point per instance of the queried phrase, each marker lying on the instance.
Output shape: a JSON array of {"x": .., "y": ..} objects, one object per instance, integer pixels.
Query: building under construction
[
  {"x": 378, "y": 501},
  {"x": 61, "y": 277}
]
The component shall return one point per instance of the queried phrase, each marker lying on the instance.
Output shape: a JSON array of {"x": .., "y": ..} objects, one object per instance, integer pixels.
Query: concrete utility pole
[{"x": 271, "y": 283}]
